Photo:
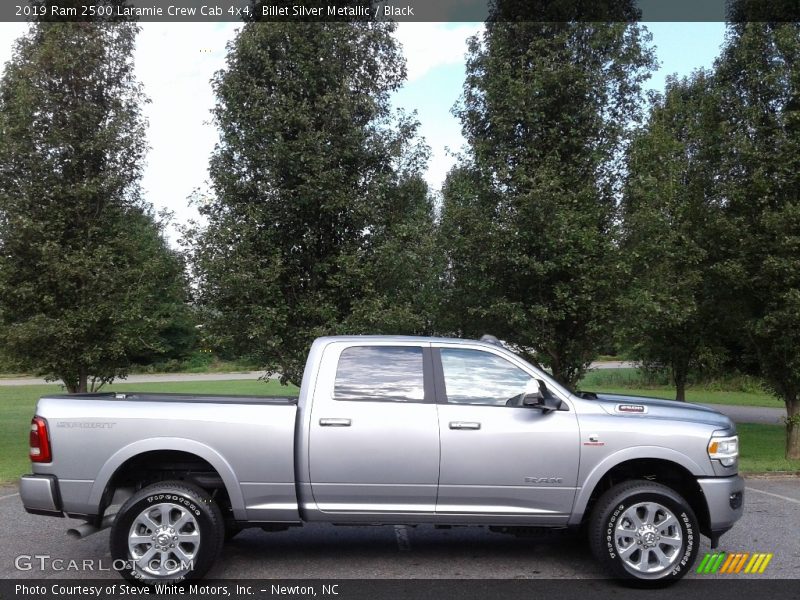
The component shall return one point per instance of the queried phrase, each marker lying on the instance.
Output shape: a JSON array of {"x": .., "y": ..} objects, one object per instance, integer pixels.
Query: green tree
[
  {"x": 674, "y": 231},
  {"x": 759, "y": 77},
  {"x": 310, "y": 230},
  {"x": 398, "y": 273},
  {"x": 174, "y": 334},
  {"x": 473, "y": 240},
  {"x": 545, "y": 111},
  {"x": 86, "y": 280}
]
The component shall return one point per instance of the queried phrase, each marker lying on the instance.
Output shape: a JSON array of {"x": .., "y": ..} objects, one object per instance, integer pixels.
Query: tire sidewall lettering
[
  {"x": 185, "y": 502},
  {"x": 609, "y": 533},
  {"x": 688, "y": 550}
]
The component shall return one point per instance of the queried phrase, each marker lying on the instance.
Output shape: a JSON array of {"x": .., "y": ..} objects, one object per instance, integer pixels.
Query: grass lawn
[
  {"x": 762, "y": 445},
  {"x": 628, "y": 381},
  {"x": 762, "y": 448}
]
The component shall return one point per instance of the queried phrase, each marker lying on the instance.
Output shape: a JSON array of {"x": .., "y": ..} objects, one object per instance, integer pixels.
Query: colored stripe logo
[{"x": 734, "y": 562}]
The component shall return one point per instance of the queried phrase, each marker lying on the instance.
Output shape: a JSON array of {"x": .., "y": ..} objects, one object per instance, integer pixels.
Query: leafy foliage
[
  {"x": 86, "y": 279},
  {"x": 759, "y": 74},
  {"x": 319, "y": 222},
  {"x": 529, "y": 215},
  {"x": 673, "y": 226}
]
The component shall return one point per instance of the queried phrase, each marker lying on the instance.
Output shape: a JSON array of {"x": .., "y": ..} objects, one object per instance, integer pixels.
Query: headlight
[{"x": 724, "y": 449}]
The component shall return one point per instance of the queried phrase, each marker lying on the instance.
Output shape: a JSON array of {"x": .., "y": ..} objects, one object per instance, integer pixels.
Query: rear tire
[
  {"x": 644, "y": 533},
  {"x": 167, "y": 532}
]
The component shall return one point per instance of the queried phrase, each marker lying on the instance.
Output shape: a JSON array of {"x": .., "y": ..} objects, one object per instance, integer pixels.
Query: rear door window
[{"x": 380, "y": 373}]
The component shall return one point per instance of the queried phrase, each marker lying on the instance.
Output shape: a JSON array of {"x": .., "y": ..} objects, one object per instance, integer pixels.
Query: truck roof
[{"x": 406, "y": 338}]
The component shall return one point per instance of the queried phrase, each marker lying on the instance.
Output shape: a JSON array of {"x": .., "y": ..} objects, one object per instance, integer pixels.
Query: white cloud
[
  {"x": 431, "y": 45},
  {"x": 175, "y": 62},
  {"x": 435, "y": 59},
  {"x": 8, "y": 33}
]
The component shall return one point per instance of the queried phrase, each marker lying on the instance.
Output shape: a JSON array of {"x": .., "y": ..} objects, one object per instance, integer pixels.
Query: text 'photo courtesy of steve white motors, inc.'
[{"x": 194, "y": 590}]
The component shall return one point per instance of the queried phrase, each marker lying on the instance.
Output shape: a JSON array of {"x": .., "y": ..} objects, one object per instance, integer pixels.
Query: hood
[{"x": 658, "y": 408}]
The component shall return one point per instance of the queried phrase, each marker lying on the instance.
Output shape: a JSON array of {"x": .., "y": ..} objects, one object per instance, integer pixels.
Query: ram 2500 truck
[{"x": 389, "y": 430}]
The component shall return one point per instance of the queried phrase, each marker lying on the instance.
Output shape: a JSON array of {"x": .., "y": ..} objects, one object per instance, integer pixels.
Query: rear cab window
[{"x": 381, "y": 374}]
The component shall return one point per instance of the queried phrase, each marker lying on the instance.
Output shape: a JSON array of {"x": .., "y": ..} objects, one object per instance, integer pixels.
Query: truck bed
[{"x": 248, "y": 440}]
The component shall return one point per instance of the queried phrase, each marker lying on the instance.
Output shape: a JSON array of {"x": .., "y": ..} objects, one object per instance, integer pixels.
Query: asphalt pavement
[
  {"x": 33, "y": 546},
  {"x": 751, "y": 414}
]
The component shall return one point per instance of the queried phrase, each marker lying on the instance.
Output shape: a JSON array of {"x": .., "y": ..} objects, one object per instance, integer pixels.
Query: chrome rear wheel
[
  {"x": 167, "y": 532},
  {"x": 164, "y": 540}
]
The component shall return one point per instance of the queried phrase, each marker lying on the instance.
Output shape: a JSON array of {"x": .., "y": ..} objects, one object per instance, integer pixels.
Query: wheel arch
[
  {"x": 161, "y": 448},
  {"x": 676, "y": 475}
]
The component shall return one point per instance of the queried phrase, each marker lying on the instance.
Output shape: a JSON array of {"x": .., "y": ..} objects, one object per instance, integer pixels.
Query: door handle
[
  {"x": 334, "y": 422},
  {"x": 464, "y": 425}
]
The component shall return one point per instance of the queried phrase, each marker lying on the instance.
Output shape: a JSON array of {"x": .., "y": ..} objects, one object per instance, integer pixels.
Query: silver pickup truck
[{"x": 389, "y": 430}]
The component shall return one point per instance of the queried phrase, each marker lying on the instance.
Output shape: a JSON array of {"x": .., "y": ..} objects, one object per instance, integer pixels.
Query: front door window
[{"x": 477, "y": 377}]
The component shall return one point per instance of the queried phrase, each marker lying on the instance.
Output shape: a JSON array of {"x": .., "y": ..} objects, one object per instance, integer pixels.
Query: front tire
[
  {"x": 167, "y": 532},
  {"x": 644, "y": 533}
]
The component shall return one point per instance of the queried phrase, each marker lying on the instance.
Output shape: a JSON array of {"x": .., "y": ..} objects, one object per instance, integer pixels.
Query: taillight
[{"x": 40, "y": 441}]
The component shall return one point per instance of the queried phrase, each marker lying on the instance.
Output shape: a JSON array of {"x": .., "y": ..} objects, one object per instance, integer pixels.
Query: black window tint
[
  {"x": 476, "y": 377},
  {"x": 380, "y": 373}
]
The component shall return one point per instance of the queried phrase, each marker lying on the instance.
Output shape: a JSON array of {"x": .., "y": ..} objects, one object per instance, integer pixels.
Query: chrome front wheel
[
  {"x": 644, "y": 533},
  {"x": 648, "y": 537}
]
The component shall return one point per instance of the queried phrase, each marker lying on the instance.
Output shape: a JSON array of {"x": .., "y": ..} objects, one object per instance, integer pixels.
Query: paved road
[
  {"x": 614, "y": 364},
  {"x": 752, "y": 414},
  {"x": 770, "y": 524}
]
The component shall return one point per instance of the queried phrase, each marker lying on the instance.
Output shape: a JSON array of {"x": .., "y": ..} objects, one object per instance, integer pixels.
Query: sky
[{"x": 175, "y": 62}]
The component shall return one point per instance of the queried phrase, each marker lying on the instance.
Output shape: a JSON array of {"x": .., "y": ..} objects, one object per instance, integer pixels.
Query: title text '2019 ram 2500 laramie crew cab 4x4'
[{"x": 389, "y": 430}]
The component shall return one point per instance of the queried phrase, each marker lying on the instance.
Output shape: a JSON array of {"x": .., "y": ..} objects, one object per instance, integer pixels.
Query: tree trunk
[
  {"x": 679, "y": 374},
  {"x": 680, "y": 389},
  {"x": 70, "y": 382},
  {"x": 82, "y": 379},
  {"x": 792, "y": 428},
  {"x": 556, "y": 369}
]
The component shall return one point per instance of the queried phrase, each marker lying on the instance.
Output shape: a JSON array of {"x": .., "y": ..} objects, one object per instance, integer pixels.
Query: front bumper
[
  {"x": 725, "y": 500},
  {"x": 40, "y": 495}
]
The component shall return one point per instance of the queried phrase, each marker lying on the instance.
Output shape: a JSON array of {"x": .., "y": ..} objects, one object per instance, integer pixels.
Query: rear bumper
[
  {"x": 40, "y": 495},
  {"x": 725, "y": 500}
]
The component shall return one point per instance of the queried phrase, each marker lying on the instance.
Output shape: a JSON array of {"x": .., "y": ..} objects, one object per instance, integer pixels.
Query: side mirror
[
  {"x": 532, "y": 395},
  {"x": 537, "y": 396},
  {"x": 533, "y": 399}
]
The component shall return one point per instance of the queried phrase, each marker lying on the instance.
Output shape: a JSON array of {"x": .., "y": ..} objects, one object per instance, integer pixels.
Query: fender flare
[
  {"x": 214, "y": 458},
  {"x": 619, "y": 457}
]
